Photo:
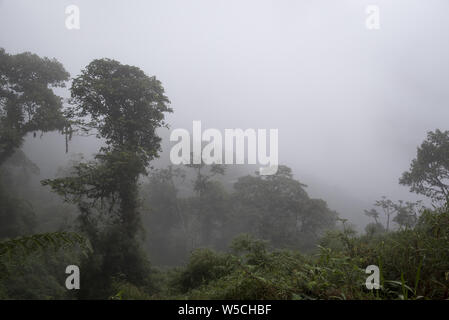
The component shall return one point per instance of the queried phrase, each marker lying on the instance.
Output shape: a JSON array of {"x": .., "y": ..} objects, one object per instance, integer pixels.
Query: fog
[{"x": 351, "y": 104}]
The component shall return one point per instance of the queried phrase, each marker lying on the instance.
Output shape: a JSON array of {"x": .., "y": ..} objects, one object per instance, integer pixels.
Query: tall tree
[
  {"x": 27, "y": 100},
  {"x": 388, "y": 207},
  {"x": 123, "y": 107},
  {"x": 429, "y": 171}
]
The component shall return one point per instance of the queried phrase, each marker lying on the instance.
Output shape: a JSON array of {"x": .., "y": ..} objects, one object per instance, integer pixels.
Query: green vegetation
[
  {"x": 187, "y": 232},
  {"x": 414, "y": 264},
  {"x": 27, "y": 100}
]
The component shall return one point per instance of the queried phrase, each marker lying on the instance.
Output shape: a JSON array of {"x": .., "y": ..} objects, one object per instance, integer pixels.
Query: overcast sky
[{"x": 351, "y": 104}]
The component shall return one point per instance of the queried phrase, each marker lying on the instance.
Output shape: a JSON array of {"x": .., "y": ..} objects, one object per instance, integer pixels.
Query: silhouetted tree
[
  {"x": 27, "y": 101},
  {"x": 429, "y": 171},
  {"x": 124, "y": 107}
]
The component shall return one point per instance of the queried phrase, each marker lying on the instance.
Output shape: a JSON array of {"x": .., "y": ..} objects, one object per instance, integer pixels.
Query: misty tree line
[
  {"x": 276, "y": 208},
  {"x": 128, "y": 211},
  {"x": 124, "y": 107}
]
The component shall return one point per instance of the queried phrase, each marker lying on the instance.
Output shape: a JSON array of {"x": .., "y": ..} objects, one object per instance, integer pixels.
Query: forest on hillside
[{"x": 189, "y": 231}]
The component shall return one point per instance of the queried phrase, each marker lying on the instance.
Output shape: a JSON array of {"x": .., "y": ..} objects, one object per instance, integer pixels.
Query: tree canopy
[
  {"x": 124, "y": 107},
  {"x": 27, "y": 100},
  {"x": 429, "y": 171}
]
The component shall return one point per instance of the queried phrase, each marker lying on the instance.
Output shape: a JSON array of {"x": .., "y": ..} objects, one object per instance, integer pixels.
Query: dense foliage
[
  {"x": 206, "y": 235},
  {"x": 27, "y": 101},
  {"x": 413, "y": 263},
  {"x": 123, "y": 106}
]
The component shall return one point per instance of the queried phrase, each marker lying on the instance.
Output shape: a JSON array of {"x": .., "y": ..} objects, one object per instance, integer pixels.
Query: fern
[{"x": 27, "y": 245}]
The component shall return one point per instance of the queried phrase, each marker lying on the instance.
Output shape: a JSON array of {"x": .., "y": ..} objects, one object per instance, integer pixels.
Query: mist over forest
[{"x": 87, "y": 179}]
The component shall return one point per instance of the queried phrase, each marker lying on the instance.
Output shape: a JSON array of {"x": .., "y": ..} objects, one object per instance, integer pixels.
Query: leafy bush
[{"x": 414, "y": 264}]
